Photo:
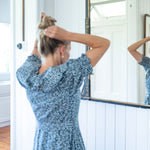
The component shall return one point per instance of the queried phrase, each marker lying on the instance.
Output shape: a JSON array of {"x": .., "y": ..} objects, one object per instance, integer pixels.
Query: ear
[{"x": 62, "y": 50}]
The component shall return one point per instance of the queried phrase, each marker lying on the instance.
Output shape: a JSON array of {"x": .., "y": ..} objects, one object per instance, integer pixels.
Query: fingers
[
  {"x": 50, "y": 31},
  {"x": 55, "y": 32}
]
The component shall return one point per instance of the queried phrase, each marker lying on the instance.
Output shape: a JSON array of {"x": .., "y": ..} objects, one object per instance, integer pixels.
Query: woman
[
  {"x": 145, "y": 62},
  {"x": 53, "y": 84}
]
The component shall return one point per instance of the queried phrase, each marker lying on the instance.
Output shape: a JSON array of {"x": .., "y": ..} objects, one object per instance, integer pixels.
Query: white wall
[
  {"x": 71, "y": 16},
  {"x": 4, "y": 86},
  {"x": 49, "y": 6},
  {"x": 4, "y": 11},
  {"x": 107, "y": 126},
  {"x": 4, "y": 104},
  {"x": 46, "y": 6}
]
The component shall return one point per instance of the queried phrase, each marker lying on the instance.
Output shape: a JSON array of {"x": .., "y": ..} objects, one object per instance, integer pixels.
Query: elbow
[
  {"x": 129, "y": 49},
  {"x": 107, "y": 44}
]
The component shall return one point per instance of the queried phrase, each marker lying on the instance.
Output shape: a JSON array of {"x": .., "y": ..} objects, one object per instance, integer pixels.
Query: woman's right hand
[{"x": 57, "y": 33}]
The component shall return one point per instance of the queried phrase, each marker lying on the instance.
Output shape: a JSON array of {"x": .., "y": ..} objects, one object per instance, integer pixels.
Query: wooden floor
[{"x": 5, "y": 138}]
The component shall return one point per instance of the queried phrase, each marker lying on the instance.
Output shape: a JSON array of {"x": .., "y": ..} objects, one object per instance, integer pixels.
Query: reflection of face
[{"x": 66, "y": 53}]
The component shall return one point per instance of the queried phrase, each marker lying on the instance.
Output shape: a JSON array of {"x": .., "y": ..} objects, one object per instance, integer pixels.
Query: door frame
[{"x": 13, "y": 78}]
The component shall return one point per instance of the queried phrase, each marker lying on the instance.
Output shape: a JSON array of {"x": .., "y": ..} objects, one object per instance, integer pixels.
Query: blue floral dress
[
  {"x": 55, "y": 97},
  {"x": 146, "y": 64}
]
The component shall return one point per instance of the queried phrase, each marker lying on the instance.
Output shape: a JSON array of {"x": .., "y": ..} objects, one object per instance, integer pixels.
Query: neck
[{"x": 51, "y": 60}]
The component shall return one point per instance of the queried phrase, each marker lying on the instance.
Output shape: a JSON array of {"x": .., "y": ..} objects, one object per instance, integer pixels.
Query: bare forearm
[
  {"x": 136, "y": 45},
  {"x": 89, "y": 40},
  {"x": 133, "y": 49},
  {"x": 98, "y": 44},
  {"x": 35, "y": 49}
]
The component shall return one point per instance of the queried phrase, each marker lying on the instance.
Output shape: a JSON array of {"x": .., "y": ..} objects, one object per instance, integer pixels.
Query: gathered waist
[{"x": 55, "y": 127}]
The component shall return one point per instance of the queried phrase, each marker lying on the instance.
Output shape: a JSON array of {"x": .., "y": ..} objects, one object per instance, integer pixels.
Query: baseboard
[{"x": 3, "y": 124}]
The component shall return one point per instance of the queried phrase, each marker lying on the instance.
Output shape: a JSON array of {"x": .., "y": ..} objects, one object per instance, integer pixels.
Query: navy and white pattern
[
  {"x": 146, "y": 64},
  {"x": 55, "y": 97}
]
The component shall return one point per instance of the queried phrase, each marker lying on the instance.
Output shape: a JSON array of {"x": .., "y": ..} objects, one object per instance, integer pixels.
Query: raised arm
[
  {"x": 98, "y": 44},
  {"x": 35, "y": 49},
  {"x": 133, "y": 49}
]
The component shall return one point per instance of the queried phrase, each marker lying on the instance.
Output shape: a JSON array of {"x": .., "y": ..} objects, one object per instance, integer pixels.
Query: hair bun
[{"x": 46, "y": 22}]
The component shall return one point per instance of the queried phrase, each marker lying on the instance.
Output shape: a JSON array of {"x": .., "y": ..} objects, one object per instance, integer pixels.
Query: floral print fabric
[
  {"x": 146, "y": 64},
  {"x": 55, "y": 97}
]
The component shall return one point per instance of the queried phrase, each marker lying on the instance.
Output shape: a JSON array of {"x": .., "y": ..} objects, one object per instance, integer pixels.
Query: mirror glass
[{"x": 113, "y": 76}]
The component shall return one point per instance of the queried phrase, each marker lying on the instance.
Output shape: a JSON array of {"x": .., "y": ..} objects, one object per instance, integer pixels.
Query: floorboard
[{"x": 5, "y": 138}]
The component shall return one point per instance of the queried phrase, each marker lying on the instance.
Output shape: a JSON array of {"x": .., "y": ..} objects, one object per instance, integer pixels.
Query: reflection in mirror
[
  {"x": 118, "y": 76},
  {"x": 109, "y": 77}
]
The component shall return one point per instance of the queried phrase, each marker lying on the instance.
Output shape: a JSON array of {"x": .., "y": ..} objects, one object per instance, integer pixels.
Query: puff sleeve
[
  {"x": 145, "y": 62},
  {"x": 80, "y": 68},
  {"x": 29, "y": 68}
]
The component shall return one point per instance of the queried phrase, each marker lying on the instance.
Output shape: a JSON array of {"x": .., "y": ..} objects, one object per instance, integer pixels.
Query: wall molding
[
  {"x": 113, "y": 126},
  {"x": 5, "y": 123}
]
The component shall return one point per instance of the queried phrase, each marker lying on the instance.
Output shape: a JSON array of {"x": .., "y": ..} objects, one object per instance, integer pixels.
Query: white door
[
  {"x": 22, "y": 118},
  {"x": 109, "y": 76}
]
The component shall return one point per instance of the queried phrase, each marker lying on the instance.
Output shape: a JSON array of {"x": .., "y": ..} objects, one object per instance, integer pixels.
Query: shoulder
[
  {"x": 34, "y": 58},
  {"x": 81, "y": 66},
  {"x": 82, "y": 60},
  {"x": 145, "y": 62}
]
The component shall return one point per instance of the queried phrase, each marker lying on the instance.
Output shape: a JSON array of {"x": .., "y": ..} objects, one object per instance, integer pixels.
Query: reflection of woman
[
  {"x": 53, "y": 85},
  {"x": 145, "y": 62}
]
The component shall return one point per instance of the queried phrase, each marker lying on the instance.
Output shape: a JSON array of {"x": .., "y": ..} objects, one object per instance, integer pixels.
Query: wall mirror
[{"x": 117, "y": 75}]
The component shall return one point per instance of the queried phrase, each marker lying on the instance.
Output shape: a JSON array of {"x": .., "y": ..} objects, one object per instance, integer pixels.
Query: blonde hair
[{"x": 48, "y": 45}]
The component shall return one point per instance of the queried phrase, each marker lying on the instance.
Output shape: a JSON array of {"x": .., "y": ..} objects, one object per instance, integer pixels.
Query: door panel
[
  {"x": 109, "y": 77},
  {"x": 23, "y": 120}
]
